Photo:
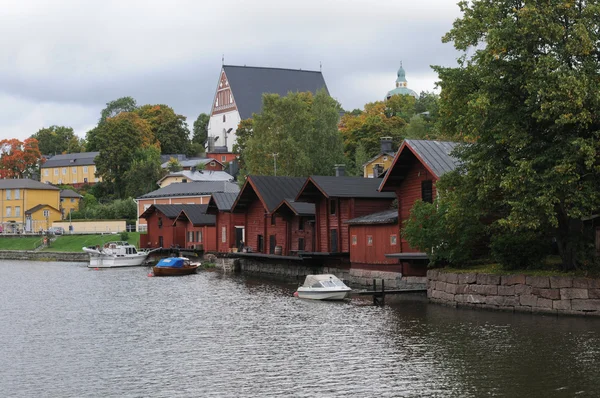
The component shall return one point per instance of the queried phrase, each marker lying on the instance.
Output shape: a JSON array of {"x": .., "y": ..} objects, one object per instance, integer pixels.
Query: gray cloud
[{"x": 63, "y": 60}]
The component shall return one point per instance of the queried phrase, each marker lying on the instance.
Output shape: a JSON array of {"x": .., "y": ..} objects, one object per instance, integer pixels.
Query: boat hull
[
  {"x": 115, "y": 261},
  {"x": 167, "y": 271},
  {"x": 323, "y": 294}
]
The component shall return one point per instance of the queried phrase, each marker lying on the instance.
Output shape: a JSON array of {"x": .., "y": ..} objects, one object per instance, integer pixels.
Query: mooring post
[
  {"x": 374, "y": 292},
  {"x": 382, "y": 292}
]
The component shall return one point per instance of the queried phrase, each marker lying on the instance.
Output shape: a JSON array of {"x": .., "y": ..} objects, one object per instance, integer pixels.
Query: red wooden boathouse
[{"x": 230, "y": 227}]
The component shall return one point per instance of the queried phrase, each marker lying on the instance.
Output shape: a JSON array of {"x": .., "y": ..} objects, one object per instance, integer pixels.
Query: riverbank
[
  {"x": 558, "y": 295},
  {"x": 32, "y": 255}
]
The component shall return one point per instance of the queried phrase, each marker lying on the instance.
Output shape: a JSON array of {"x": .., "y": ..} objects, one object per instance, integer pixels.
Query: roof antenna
[
  {"x": 320, "y": 66},
  {"x": 223, "y": 60}
]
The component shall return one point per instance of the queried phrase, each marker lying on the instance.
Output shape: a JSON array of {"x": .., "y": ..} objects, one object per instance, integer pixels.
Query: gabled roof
[
  {"x": 270, "y": 190},
  {"x": 223, "y": 201},
  {"x": 25, "y": 183},
  {"x": 192, "y": 162},
  {"x": 343, "y": 187},
  {"x": 383, "y": 217},
  {"x": 434, "y": 155},
  {"x": 302, "y": 209},
  {"x": 197, "y": 216},
  {"x": 374, "y": 158},
  {"x": 173, "y": 211},
  {"x": 248, "y": 83},
  {"x": 39, "y": 207},
  {"x": 192, "y": 189},
  {"x": 204, "y": 175},
  {"x": 71, "y": 159},
  {"x": 69, "y": 193}
]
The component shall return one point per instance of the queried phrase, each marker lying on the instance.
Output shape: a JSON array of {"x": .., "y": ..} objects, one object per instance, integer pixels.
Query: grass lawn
[
  {"x": 19, "y": 243},
  {"x": 74, "y": 243}
]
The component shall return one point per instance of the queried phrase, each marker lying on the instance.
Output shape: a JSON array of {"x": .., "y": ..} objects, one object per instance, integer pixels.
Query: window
[
  {"x": 17, "y": 211},
  {"x": 46, "y": 172},
  {"x": 273, "y": 220},
  {"x": 85, "y": 169},
  {"x": 17, "y": 193},
  {"x": 190, "y": 236},
  {"x": 223, "y": 158},
  {"x": 259, "y": 243},
  {"x": 159, "y": 222},
  {"x": 146, "y": 207},
  {"x": 74, "y": 170},
  {"x": 224, "y": 119},
  {"x": 393, "y": 240},
  {"x": 74, "y": 180},
  {"x": 184, "y": 180},
  {"x": 369, "y": 240},
  {"x": 427, "y": 191},
  {"x": 385, "y": 158},
  {"x": 301, "y": 244},
  {"x": 212, "y": 163},
  {"x": 46, "y": 213},
  {"x": 72, "y": 200},
  {"x": 8, "y": 191},
  {"x": 332, "y": 206},
  {"x": 354, "y": 240},
  {"x": 301, "y": 224},
  {"x": 8, "y": 211},
  {"x": 223, "y": 234},
  {"x": 198, "y": 236},
  {"x": 64, "y": 171},
  {"x": 230, "y": 99},
  {"x": 217, "y": 101},
  {"x": 55, "y": 172},
  {"x": 85, "y": 180}
]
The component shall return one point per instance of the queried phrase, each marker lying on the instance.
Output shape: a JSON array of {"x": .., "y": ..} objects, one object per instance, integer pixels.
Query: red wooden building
[
  {"x": 300, "y": 219},
  {"x": 167, "y": 227},
  {"x": 230, "y": 227},
  {"x": 337, "y": 200},
  {"x": 265, "y": 231},
  {"x": 200, "y": 230}
]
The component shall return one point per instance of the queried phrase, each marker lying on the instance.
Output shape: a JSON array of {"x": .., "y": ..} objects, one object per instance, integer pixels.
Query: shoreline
[{"x": 33, "y": 255}]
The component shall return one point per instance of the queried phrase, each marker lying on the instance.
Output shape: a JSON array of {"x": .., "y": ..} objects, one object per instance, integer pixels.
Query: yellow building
[
  {"x": 377, "y": 165},
  {"x": 69, "y": 202},
  {"x": 70, "y": 169},
  {"x": 27, "y": 205}
]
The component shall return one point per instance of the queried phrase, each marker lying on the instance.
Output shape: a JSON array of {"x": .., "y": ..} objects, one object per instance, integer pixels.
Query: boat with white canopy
[
  {"x": 323, "y": 287},
  {"x": 116, "y": 254}
]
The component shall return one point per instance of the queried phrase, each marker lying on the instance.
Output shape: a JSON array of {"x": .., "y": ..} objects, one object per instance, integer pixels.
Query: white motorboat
[
  {"x": 323, "y": 287},
  {"x": 116, "y": 254}
]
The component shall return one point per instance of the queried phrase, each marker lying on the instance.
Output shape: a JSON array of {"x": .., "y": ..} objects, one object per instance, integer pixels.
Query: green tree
[
  {"x": 243, "y": 134},
  {"x": 526, "y": 93},
  {"x": 55, "y": 140},
  {"x": 300, "y": 130},
  {"x": 169, "y": 128},
  {"x": 144, "y": 171},
  {"x": 200, "y": 130},
  {"x": 174, "y": 166},
  {"x": 120, "y": 137},
  {"x": 113, "y": 108}
]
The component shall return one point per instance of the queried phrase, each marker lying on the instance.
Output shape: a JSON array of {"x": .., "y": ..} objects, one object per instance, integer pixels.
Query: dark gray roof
[
  {"x": 25, "y": 183},
  {"x": 71, "y": 159},
  {"x": 299, "y": 208},
  {"x": 350, "y": 187},
  {"x": 69, "y": 193},
  {"x": 224, "y": 200},
  {"x": 248, "y": 83},
  {"x": 197, "y": 215},
  {"x": 382, "y": 217},
  {"x": 435, "y": 154},
  {"x": 193, "y": 189},
  {"x": 172, "y": 211},
  {"x": 275, "y": 189}
]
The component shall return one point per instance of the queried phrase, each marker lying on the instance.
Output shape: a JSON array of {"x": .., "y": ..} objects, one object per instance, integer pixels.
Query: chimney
[
  {"x": 340, "y": 170},
  {"x": 386, "y": 144}
]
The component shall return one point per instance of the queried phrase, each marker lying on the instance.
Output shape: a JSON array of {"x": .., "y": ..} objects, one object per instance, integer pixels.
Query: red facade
[
  {"x": 370, "y": 243},
  {"x": 199, "y": 237},
  {"x": 226, "y": 226},
  {"x": 222, "y": 157},
  {"x": 162, "y": 232},
  {"x": 264, "y": 232}
]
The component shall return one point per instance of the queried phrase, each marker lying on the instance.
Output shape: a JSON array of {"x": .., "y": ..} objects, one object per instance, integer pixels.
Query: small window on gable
[
  {"x": 184, "y": 180},
  {"x": 332, "y": 206},
  {"x": 273, "y": 219},
  {"x": 369, "y": 240},
  {"x": 427, "y": 191},
  {"x": 46, "y": 213},
  {"x": 393, "y": 240},
  {"x": 159, "y": 222},
  {"x": 354, "y": 240},
  {"x": 385, "y": 158},
  {"x": 212, "y": 163}
]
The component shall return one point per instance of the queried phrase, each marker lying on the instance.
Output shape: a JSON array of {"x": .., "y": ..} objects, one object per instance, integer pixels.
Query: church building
[
  {"x": 239, "y": 95},
  {"x": 401, "y": 86}
]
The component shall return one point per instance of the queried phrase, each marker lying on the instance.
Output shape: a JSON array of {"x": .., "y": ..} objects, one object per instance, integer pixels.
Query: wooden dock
[{"x": 379, "y": 295}]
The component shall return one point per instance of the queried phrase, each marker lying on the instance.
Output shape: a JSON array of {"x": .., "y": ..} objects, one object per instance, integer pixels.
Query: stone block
[
  {"x": 460, "y": 298},
  {"x": 593, "y": 283},
  {"x": 573, "y": 293},
  {"x": 436, "y": 294},
  {"x": 522, "y": 308},
  {"x": 467, "y": 278},
  {"x": 441, "y": 286},
  {"x": 585, "y": 305},
  {"x": 447, "y": 296},
  {"x": 474, "y": 299},
  {"x": 450, "y": 288},
  {"x": 442, "y": 276},
  {"x": 513, "y": 280},
  {"x": 452, "y": 278},
  {"x": 544, "y": 303},
  {"x": 561, "y": 304},
  {"x": 486, "y": 279},
  {"x": 461, "y": 289},
  {"x": 521, "y": 289},
  {"x": 528, "y": 300},
  {"x": 552, "y": 294},
  {"x": 490, "y": 290},
  {"x": 502, "y": 301},
  {"x": 556, "y": 282},
  {"x": 594, "y": 293},
  {"x": 506, "y": 290},
  {"x": 433, "y": 274},
  {"x": 538, "y": 281},
  {"x": 580, "y": 283}
]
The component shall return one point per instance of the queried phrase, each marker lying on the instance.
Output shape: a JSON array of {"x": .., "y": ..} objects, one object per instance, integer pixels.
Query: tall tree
[
  {"x": 120, "y": 137},
  {"x": 112, "y": 109},
  {"x": 200, "y": 133},
  {"x": 55, "y": 140},
  {"x": 169, "y": 128},
  {"x": 19, "y": 159},
  {"x": 296, "y": 134},
  {"x": 144, "y": 171},
  {"x": 526, "y": 92},
  {"x": 243, "y": 134}
]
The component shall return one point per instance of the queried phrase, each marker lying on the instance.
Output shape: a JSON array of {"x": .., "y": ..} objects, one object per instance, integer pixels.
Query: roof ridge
[{"x": 274, "y": 68}]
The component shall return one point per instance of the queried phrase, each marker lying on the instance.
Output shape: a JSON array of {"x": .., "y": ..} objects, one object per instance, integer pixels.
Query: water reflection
[{"x": 72, "y": 332}]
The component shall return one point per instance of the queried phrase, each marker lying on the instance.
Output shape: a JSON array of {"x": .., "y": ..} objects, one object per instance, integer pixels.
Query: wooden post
[{"x": 382, "y": 292}]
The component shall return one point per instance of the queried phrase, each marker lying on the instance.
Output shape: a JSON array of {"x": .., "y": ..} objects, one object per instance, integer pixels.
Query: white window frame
[
  {"x": 8, "y": 194},
  {"x": 64, "y": 171},
  {"x": 46, "y": 213},
  {"x": 17, "y": 193},
  {"x": 46, "y": 172},
  {"x": 8, "y": 211},
  {"x": 55, "y": 172},
  {"x": 223, "y": 234},
  {"x": 17, "y": 211},
  {"x": 85, "y": 169}
]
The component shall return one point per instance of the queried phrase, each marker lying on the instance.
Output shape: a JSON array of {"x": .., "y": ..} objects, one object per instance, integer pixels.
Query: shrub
[
  {"x": 125, "y": 236},
  {"x": 519, "y": 249}
]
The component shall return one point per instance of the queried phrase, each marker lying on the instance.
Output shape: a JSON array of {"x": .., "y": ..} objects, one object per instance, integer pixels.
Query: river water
[{"x": 67, "y": 331}]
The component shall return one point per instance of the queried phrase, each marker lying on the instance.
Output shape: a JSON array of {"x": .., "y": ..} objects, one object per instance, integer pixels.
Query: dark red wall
[
  {"x": 171, "y": 235},
  {"x": 361, "y": 252},
  {"x": 229, "y": 221}
]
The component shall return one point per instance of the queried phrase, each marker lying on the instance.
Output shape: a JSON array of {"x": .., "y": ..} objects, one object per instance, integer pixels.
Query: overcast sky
[{"x": 61, "y": 61}]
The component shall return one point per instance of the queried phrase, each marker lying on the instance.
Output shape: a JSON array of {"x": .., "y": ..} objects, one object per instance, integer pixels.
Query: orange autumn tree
[{"x": 19, "y": 159}]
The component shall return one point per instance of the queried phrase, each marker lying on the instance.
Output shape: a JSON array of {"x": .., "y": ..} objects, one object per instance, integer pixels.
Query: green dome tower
[{"x": 401, "y": 84}]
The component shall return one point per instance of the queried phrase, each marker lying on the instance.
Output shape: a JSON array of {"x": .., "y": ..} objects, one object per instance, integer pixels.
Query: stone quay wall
[
  {"x": 537, "y": 294},
  {"x": 43, "y": 256}
]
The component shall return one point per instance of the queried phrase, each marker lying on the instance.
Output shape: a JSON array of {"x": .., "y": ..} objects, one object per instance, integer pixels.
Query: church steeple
[
  {"x": 401, "y": 85},
  {"x": 401, "y": 80}
]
